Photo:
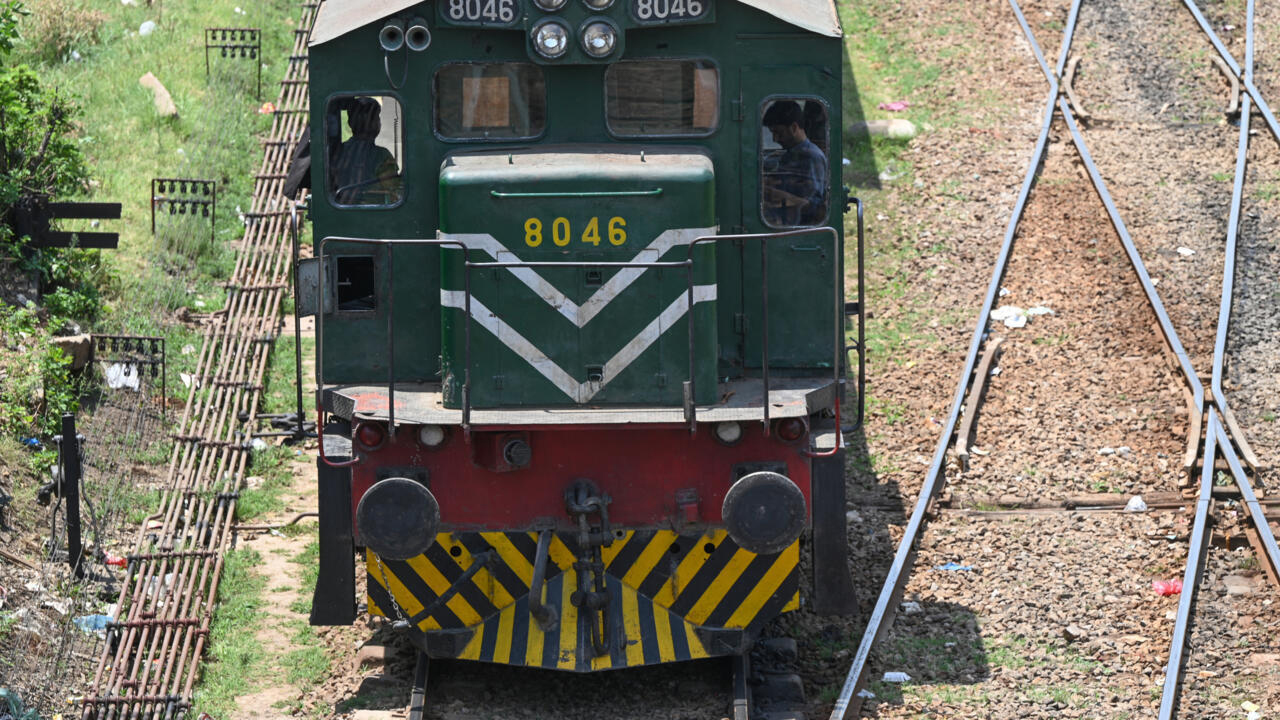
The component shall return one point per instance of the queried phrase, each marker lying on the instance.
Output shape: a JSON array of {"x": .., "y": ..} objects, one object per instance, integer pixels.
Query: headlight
[
  {"x": 550, "y": 39},
  {"x": 599, "y": 39},
  {"x": 598, "y": 4},
  {"x": 550, "y": 5},
  {"x": 729, "y": 433},
  {"x": 431, "y": 435}
]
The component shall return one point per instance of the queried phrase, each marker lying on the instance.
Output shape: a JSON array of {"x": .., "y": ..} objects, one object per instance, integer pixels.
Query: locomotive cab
[{"x": 579, "y": 287}]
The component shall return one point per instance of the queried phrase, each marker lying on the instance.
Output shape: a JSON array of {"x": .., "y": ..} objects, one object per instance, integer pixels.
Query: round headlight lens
[
  {"x": 550, "y": 5},
  {"x": 550, "y": 39},
  {"x": 598, "y": 4},
  {"x": 728, "y": 433},
  {"x": 599, "y": 39},
  {"x": 431, "y": 435}
]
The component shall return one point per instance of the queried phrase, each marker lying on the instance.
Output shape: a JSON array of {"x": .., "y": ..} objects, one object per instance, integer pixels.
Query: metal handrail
[
  {"x": 837, "y": 290},
  {"x": 687, "y": 264}
]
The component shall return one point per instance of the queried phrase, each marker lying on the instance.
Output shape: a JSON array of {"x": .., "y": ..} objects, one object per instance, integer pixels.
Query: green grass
[
  {"x": 308, "y": 665},
  {"x": 235, "y": 656},
  {"x": 273, "y": 466},
  {"x": 126, "y": 145},
  {"x": 309, "y": 560},
  {"x": 280, "y": 396}
]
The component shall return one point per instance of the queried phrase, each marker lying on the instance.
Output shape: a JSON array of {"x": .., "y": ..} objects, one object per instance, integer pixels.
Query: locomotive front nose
[
  {"x": 398, "y": 518},
  {"x": 764, "y": 512}
]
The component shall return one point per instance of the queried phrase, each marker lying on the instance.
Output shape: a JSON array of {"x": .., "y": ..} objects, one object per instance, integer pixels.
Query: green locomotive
[{"x": 580, "y": 307}]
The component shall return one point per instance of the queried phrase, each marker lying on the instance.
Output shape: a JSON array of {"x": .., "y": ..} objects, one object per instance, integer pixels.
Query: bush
[
  {"x": 38, "y": 154},
  {"x": 56, "y": 27},
  {"x": 39, "y": 386}
]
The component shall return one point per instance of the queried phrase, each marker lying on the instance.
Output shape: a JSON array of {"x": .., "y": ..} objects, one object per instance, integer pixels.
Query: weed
[
  {"x": 281, "y": 396},
  {"x": 235, "y": 656},
  {"x": 309, "y": 559},
  {"x": 55, "y": 28},
  {"x": 892, "y": 411},
  {"x": 272, "y": 465}
]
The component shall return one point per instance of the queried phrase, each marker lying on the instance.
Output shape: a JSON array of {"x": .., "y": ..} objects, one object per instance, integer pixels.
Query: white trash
[
  {"x": 146, "y": 28},
  {"x": 1186, "y": 251},
  {"x": 896, "y": 677},
  {"x": 123, "y": 376},
  {"x": 1011, "y": 315},
  {"x": 1136, "y": 505}
]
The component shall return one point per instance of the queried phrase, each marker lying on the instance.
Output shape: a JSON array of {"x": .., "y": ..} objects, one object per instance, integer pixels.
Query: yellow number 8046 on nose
[{"x": 562, "y": 232}]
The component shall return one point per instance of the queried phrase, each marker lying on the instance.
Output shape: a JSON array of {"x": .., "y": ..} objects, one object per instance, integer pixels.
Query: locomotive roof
[{"x": 339, "y": 17}]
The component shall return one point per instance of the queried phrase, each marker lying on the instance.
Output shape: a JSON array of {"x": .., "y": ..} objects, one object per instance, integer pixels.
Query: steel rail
[
  {"x": 1249, "y": 497},
  {"x": 1229, "y": 261},
  {"x": 1246, "y": 78},
  {"x": 1140, "y": 268},
  {"x": 1190, "y": 580},
  {"x": 1198, "y": 548},
  {"x": 886, "y": 604},
  {"x": 882, "y": 616}
]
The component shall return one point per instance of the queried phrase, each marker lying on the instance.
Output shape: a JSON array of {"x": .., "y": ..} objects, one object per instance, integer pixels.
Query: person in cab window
[
  {"x": 365, "y": 172},
  {"x": 795, "y": 183}
]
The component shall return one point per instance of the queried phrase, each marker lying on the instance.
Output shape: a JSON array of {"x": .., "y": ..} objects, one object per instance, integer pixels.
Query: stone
[
  {"x": 780, "y": 688},
  {"x": 1239, "y": 585},
  {"x": 77, "y": 347},
  {"x": 896, "y": 129},
  {"x": 373, "y": 715},
  {"x": 163, "y": 100},
  {"x": 372, "y": 656},
  {"x": 1074, "y": 633},
  {"x": 1264, "y": 659}
]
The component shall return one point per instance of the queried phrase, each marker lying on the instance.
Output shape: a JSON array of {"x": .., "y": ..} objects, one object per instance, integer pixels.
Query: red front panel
[{"x": 656, "y": 476}]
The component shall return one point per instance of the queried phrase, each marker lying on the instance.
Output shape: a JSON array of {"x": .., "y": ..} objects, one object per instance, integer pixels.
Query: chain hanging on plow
[{"x": 582, "y": 502}]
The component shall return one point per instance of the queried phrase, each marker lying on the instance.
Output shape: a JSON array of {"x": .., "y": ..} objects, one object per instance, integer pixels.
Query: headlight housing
[
  {"x": 599, "y": 39},
  {"x": 551, "y": 39},
  {"x": 550, "y": 5},
  {"x": 598, "y": 4}
]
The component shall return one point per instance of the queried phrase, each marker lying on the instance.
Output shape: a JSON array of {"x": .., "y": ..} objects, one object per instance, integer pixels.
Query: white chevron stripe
[
  {"x": 581, "y": 315},
  {"x": 578, "y": 392}
]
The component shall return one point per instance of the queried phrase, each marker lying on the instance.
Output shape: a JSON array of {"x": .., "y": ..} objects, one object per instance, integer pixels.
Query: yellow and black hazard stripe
[{"x": 664, "y": 588}]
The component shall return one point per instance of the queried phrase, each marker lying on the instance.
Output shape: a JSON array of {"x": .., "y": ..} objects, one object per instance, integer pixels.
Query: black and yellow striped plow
[{"x": 669, "y": 597}]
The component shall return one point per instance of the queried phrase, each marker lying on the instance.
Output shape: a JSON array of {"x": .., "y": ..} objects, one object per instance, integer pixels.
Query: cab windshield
[
  {"x": 490, "y": 101},
  {"x": 662, "y": 97}
]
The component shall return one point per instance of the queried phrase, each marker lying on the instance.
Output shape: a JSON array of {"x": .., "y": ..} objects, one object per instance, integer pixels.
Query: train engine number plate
[
  {"x": 502, "y": 13},
  {"x": 657, "y": 12}
]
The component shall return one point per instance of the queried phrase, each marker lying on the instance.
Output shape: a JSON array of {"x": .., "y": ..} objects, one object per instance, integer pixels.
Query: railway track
[
  {"x": 1132, "y": 636},
  {"x": 150, "y": 663}
]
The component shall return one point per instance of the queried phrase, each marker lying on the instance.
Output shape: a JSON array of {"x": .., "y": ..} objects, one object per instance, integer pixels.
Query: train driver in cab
[
  {"x": 795, "y": 183},
  {"x": 364, "y": 172}
]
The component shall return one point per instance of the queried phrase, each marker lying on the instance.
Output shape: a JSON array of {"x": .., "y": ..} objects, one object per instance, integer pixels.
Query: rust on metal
[{"x": 975, "y": 399}]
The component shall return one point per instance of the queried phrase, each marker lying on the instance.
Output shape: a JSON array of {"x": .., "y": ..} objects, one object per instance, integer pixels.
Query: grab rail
[{"x": 690, "y": 409}]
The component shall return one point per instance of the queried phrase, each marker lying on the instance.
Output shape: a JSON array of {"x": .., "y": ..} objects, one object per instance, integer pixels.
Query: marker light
[
  {"x": 791, "y": 429},
  {"x": 728, "y": 433},
  {"x": 371, "y": 435},
  {"x": 550, "y": 5},
  {"x": 599, "y": 39},
  {"x": 598, "y": 4},
  {"x": 431, "y": 435},
  {"x": 550, "y": 39}
]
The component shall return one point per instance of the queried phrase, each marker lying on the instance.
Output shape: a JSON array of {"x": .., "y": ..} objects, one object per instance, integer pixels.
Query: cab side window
[
  {"x": 795, "y": 175},
  {"x": 365, "y": 151}
]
